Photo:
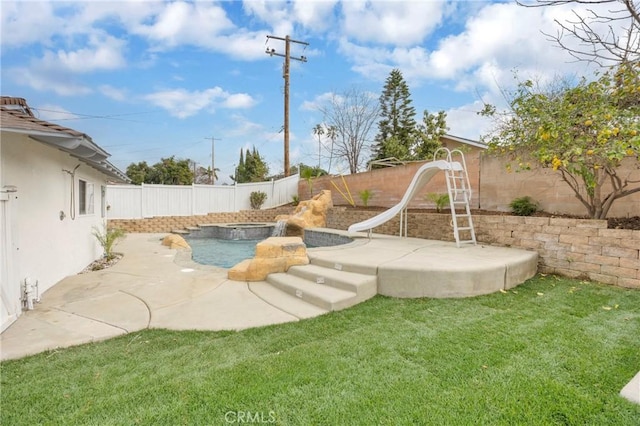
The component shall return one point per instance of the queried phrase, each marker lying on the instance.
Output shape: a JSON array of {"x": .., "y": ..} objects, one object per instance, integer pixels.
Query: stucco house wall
[
  {"x": 45, "y": 236},
  {"x": 50, "y": 248}
]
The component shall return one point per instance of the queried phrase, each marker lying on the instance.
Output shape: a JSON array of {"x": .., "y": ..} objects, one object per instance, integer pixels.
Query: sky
[{"x": 148, "y": 80}]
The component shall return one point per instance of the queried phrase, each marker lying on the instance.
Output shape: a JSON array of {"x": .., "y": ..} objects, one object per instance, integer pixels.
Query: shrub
[
  {"x": 295, "y": 200},
  {"x": 107, "y": 238},
  {"x": 365, "y": 195},
  {"x": 524, "y": 206},
  {"x": 441, "y": 200},
  {"x": 257, "y": 199}
]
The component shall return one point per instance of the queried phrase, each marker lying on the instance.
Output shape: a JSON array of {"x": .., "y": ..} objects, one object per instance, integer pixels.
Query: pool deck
[{"x": 153, "y": 286}]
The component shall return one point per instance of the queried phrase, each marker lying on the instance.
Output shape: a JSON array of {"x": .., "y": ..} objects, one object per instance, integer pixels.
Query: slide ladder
[{"x": 459, "y": 190}]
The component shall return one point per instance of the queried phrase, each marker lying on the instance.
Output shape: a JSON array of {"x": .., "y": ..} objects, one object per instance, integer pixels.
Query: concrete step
[
  {"x": 359, "y": 266},
  {"x": 284, "y": 301},
  {"x": 365, "y": 286},
  {"x": 329, "y": 298}
]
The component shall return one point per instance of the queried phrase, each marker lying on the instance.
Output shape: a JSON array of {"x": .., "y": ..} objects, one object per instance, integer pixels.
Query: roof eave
[{"x": 79, "y": 147}]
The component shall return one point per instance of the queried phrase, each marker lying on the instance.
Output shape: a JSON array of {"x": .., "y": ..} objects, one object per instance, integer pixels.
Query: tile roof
[{"x": 16, "y": 117}]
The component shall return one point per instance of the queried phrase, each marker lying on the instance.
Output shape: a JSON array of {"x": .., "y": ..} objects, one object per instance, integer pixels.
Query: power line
[
  {"x": 285, "y": 74},
  {"x": 79, "y": 116}
]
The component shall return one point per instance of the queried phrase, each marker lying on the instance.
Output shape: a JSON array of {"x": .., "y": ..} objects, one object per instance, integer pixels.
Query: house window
[{"x": 85, "y": 197}]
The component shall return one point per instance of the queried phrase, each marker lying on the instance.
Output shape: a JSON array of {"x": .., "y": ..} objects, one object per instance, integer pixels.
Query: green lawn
[{"x": 553, "y": 351}]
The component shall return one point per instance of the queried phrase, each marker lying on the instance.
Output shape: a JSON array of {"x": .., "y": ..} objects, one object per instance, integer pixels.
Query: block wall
[
  {"x": 388, "y": 185},
  {"x": 498, "y": 187},
  {"x": 494, "y": 187},
  {"x": 171, "y": 223}
]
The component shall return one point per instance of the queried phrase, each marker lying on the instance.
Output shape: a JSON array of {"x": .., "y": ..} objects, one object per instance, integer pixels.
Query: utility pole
[
  {"x": 285, "y": 74},
  {"x": 213, "y": 147}
]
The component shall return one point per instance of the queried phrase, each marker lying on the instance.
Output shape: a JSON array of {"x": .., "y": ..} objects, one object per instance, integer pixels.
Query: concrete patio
[{"x": 153, "y": 286}]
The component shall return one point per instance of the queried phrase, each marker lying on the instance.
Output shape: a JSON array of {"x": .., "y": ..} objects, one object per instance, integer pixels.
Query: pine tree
[
  {"x": 397, "y": 124},
  {"x": 240, "y": 175},
  {"x": 260, "y": 169},
  {"x": 251, "y": 167}
]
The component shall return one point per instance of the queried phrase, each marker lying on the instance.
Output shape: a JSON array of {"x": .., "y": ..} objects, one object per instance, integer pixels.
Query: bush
[
  {"x": 365, "y": 195},
  {"x": 524, "y": 206},
  {"x": 257, "y": 199},
  {"x": 441, "y": 200},
  {"x": 295, "y": 200},
  {"x": 107, "y": 238}
]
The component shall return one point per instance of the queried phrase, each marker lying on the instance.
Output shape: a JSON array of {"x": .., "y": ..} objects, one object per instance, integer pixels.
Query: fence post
[
  {"x": 193, "y": 199},
  {"x": 273, "y": 184},
  {"x": 142, "y": 200},
  {"x": 235, "y": 196}
]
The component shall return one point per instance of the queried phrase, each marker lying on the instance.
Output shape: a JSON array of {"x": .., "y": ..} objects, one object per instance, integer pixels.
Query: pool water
[{"x": 222, "y": 253}]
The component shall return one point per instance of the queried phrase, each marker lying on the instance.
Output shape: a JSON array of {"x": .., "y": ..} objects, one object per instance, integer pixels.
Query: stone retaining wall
[
  {"x": 579, "y": 248},
  {"x": 170, "y": 223}
]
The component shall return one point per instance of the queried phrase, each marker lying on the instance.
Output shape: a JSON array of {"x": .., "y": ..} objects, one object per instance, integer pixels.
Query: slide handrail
[{"x": 449, "y": 155}]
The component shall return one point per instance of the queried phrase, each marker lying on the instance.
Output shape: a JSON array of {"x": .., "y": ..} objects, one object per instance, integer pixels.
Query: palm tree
[{"x": 318, "y": 130}]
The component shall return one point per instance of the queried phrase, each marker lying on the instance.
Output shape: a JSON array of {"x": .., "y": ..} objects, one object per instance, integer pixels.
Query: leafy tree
[
  {"x": 350, "y": 116},
  {"x": 583, "y": 132},
  {"x": 168, "y": 171},
  {"x": 429, "y": 133},
  {"x": 395, "y": 148},
  {"x": 138, "y": 172},
  {"x": 314, "y": 171},
  {"x": 602, "y": 34},
  {"x": 396, "y": 128},
  {"x": 251, "y": 167}
]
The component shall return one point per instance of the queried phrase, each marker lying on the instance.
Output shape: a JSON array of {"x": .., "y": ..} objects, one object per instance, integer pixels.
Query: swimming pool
[
  {"x": 227, "y": 244},
  {"x": 222, "y": 253}
]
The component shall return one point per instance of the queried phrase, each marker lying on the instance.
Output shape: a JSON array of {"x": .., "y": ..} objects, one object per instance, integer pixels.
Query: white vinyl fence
[{"x": 140, "y": 201}]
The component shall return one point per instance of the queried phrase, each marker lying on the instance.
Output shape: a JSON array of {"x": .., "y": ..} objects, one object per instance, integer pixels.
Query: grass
[{"x": 552, "y": 351}]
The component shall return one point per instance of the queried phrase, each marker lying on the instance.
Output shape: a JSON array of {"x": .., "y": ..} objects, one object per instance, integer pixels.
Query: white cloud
[
  {"x": 58, "y": 71},
  {"x": 242, "y": 126},
  {"x": 185, "y": 23},
  {"x": 53, "y": 80},
  {"x": 397, "y": 23},
  {"x": 239, "y": 100},
  {"x": 242, "y": 45},
  {"x": 113, "y": 92},
  {"x": 464, "y": 121},
  {"x": 314, "y": 15},
  {"x": 501, "y": 38},
  {"x": 100, "y": 54},
  {"x": 319, "y": 101},
  {"x": 276, "y": 14},
  {"x": 182, "y": 103},
  {"x": 496, "y": 40},
  {"x": 20, "y": 26}
]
